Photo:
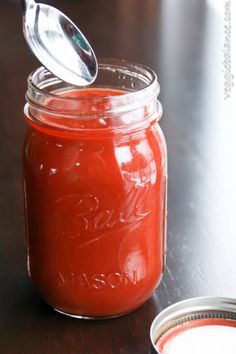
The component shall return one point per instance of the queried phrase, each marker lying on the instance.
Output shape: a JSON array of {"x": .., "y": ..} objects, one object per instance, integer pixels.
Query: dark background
[{"x": 182, "y": 40}]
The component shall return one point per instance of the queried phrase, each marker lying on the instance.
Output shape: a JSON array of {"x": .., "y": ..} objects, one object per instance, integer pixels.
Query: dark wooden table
[{"x": 182, "y": 40}]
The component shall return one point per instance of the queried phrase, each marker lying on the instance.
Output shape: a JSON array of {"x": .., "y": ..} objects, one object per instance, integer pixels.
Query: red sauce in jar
[{"x": 95, "y": 210}]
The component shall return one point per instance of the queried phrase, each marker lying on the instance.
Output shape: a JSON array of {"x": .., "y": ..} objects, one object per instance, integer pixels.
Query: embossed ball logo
[{"x": 89, "y": 220}]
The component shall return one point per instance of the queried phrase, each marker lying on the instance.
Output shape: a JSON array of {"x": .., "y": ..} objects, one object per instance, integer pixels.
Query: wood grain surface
[{"x": 182, "y": 41}]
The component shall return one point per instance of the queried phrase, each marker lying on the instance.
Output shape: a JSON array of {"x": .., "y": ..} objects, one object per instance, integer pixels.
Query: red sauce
[{"x": 95, "y": 211}]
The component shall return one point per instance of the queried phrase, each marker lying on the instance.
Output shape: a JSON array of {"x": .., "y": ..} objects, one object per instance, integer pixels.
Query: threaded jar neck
[{"x": 136, "y": 86}]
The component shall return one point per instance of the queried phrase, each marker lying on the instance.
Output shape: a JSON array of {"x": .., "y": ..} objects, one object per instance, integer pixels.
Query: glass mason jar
[{"x": 95, "y": 174}]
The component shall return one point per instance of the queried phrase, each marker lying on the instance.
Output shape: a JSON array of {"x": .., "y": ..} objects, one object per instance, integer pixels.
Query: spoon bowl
[{"x": 58, "y": 44}]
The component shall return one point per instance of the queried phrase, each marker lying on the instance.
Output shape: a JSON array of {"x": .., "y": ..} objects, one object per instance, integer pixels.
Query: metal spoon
[{"x": 58, "y": 43}]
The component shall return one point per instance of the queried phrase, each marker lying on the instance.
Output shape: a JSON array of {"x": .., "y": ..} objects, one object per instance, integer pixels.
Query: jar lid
[{"x": 210, "y": 321}]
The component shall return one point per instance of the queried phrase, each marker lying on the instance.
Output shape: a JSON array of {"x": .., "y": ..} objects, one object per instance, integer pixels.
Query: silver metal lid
[{"x": 189, "y": 310}]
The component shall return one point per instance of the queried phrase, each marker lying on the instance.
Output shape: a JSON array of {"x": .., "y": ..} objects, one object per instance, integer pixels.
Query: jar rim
[
  {"x": 111, "y": 64},
  {"x": 49, "y": 98}
]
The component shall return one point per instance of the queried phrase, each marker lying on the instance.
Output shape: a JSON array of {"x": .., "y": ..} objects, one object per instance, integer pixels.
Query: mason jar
[{"x": 95, "y": 173}]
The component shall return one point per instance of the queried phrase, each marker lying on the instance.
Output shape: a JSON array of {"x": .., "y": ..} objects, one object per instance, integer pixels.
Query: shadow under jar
[{"x": 95, "y": 190}]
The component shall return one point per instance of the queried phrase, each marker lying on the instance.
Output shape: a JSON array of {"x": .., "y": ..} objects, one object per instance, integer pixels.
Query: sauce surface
[{"x": 95, "y": 211}]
